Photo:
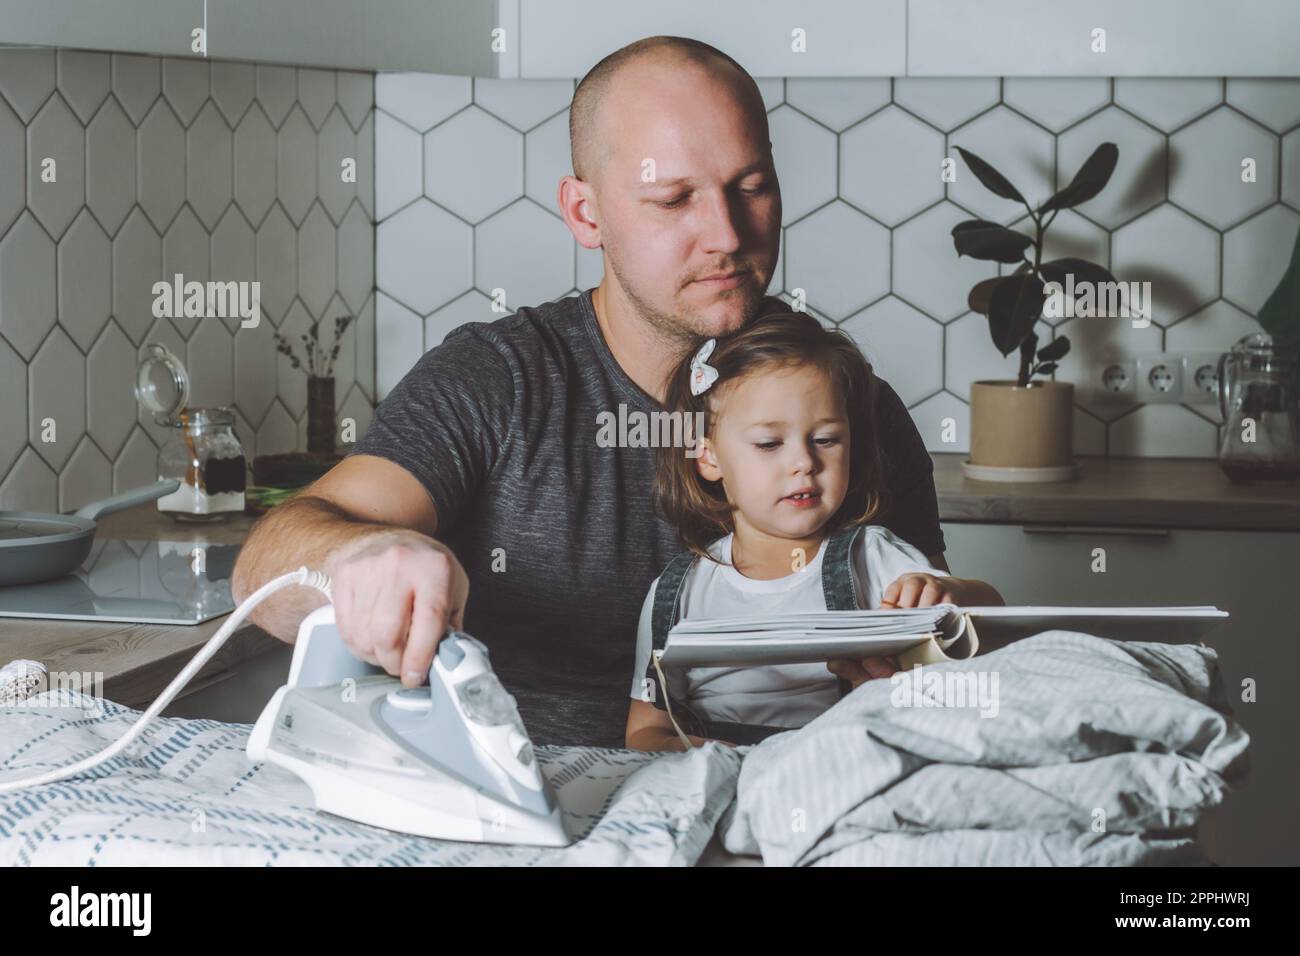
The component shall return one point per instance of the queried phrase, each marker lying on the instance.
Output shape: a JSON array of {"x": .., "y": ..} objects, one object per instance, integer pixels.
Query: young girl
[{"x": 787, "y": 471}]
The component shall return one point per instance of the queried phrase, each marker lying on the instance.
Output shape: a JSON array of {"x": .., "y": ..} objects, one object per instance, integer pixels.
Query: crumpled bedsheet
[
  {"x": 1101, "y": 753},
  {"x": 184, "y": 794}
]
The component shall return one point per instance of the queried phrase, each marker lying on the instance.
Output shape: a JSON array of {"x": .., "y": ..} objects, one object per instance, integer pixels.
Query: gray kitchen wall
[
  {"x": 465, "y": 203},
  {"x": 216, "y": 170}
]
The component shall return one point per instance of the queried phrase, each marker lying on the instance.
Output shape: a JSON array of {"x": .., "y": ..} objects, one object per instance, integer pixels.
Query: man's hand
[{"x": 396, "y": 593}]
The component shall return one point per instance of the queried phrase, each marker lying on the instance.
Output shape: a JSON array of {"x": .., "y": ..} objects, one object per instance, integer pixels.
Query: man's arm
[{"x": 327, "y": 520}]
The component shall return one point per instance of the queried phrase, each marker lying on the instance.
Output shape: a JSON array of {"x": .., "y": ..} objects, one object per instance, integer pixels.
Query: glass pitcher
[{"x": 1257, "y": 399}]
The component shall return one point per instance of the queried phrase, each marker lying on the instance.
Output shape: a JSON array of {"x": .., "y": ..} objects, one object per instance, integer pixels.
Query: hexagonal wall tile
[
  {"x": 423, "y": 256},
  {"x": 946, "y": 102},
  {"x": 255, "y": 371},
  {"x": 233, "y": 87},
  {"x": 839, "y": 102},
  {"x": 208, "y": 149},
  {"x": 1207, "y": 159},
  {"x": 56, "y": 144},
  {"x": 400, "y": 165},
  {"x": 277, "y": 263},
  {"x": 1176, "y": 254},
  {"x": 904, "y": 346},
  {"x": 291, "y": 383},
  {"x": 1275, "y": 102},
  {"x": 840, "y": 258},
  {"x": 772, "y": 89},
  {"x": 186, "y": 251},
  {"x": 317, "y": 256},
  {"x": 27, "y": 290},
  {"x": 356, "y": 245},
  {"x": 927, "y": 271},
  {"x": 421, "y": 100},
  {"x": 160, "y": 164},
  {"x": 1291, "y": 169},
  {"x": 1213, "y": 329},
  {"x": 137, "y": 265},
  {"x": 83, "y": 80},
  {"x": 85, "y": 280},
  {"x": 1255, "y": 256},
  {"x": 87, "y": 477},
  {"x": 110, "y": 372},
  {"x": 943, "y": 421},
  {"x": 1138, "y": 182},
  {"x": 399, "y": 343},
  {"x": 890, "y": 166},
  {"x": 13, "y": 406},
  {"x": 277, "y": 88},
  {"x": 473, "y": 306},
  {"x": 366, "y": 165},
  {"x": 279, "y": 432},
  {"x": 185, "y": 85},
  {"x": 1017, "y": 148},
  {"x": 136, "y": 82},
  {"x": 210, "y": 363},
  {"x": 27, "y": 78},
  {"x": 57, "y": 395},
  {"x": 1163, "y": 431},
  {"x": 526, "y": 251},
  {"x": 548, "y": 160},
  {"x": 337, "y": 145},
  {"x": 110, "y": 166},
  {"x": 523, "y": 104},
  {"x": 254, "y": 155},
  {"x": 137, "y": 464},
  {"x": 805, "y": 158},
  {"x": 1056, "y": 102},
  {"x": 13, "y": 163},
  {"x": 295, "y": 175},
  {"x": 356, "y": 96},
  {"x": 1168, "y": 102},
  {"x": 971, "y": 356},
  {"x": 234, "y": 255},
  {"x": 1093, "y": 343},
  {"x": 317, "y": 94},
  {"x": 29, "y": 486},
  {"x": 473, "y": 165},
  {"x": 365, "y": 326}
]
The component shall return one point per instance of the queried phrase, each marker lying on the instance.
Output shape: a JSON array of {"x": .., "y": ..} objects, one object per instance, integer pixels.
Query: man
[{"x": 489, "y": 442}]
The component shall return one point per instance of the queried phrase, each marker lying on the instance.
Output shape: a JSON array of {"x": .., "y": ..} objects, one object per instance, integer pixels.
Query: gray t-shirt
[{"x": 559, "y": 536}]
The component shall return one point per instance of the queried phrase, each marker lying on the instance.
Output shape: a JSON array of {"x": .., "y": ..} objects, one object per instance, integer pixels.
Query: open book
[{"x": 921, "y": 635}]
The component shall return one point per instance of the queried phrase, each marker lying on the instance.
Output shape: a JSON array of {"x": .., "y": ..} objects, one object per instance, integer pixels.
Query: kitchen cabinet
[
  {"x": 1246, "y": 573},
  {"x": 1055, "y": 38}
]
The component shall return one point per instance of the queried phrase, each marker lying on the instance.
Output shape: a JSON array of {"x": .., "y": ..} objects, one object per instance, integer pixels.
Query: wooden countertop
[
  {"x": 1121, "y": 492},
  {"x": 138, "y": 660}
]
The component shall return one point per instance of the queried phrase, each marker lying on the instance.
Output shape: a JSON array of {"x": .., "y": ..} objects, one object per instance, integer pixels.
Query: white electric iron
[{"x": 449, "y": 760}]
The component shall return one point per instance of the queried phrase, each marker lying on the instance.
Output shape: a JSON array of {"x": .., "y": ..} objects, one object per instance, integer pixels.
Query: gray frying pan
[{"x": 39, "y": 547}]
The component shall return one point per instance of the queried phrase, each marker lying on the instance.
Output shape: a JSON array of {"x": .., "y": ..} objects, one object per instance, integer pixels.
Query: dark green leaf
[
  {"x": 1280, "y": 315},
  {"x": 1088, "y": 181},
  {"x": 1015, "y": 305},
  {"x": 981, "y": 239},
  {"x": 1047, "y": 368},
  {"x": 1054, "y": 349},
  {"x": 978, "y": 299},
  {"x": 993, "y": 180}
]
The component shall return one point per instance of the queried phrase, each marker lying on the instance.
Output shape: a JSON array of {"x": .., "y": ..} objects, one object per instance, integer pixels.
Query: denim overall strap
[
  {"x": 664, "y": 614},
  {"x": 839, "y": 584}
]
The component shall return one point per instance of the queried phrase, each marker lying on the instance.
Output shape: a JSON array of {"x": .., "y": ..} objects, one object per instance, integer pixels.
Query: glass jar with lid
[
  {"x": 202, "y": 452},
  {"x": 1257, "y": 399}
]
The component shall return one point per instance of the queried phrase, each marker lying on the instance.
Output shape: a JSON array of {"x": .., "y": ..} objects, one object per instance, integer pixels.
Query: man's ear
[{"x": 706, "y": 464}]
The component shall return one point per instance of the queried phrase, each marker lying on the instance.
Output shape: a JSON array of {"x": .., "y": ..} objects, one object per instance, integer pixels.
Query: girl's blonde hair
[{"x": 699, "y": 509}]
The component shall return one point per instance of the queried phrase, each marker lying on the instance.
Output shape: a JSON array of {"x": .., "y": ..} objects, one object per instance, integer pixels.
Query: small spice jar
[{"x": 203, "y": 452}]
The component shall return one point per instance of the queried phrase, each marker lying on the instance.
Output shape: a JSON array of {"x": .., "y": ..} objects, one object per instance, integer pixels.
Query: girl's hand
[
  {"x": 922, "y": 590},
  {"x": 859, "y": 672}
]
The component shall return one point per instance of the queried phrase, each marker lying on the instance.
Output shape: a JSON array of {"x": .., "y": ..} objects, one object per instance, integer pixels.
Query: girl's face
[{"x": 779, "y": 431}]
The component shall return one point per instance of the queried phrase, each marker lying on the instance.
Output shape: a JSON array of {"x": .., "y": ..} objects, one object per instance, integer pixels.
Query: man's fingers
[{"x": 428, "y": 625}]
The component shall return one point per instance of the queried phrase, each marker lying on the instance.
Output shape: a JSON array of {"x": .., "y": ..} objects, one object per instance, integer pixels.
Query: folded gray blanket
[{"x": 1095, "y": 752}]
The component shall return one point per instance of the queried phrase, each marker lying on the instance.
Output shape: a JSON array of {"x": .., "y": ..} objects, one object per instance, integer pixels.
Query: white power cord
[{"x": 303, "y": 575}]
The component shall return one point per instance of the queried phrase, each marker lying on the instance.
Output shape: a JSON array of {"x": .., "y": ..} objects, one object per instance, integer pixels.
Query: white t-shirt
[{"x": 782, "y": 695}]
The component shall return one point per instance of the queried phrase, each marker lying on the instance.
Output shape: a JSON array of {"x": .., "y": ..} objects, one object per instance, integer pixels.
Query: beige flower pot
[{"x": 1021, "y": 433}]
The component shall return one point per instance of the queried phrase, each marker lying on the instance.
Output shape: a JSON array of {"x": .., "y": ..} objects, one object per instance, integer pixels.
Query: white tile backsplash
[
  {"x": 879, "y": 261},
  {"x": 212, "y": 169}
]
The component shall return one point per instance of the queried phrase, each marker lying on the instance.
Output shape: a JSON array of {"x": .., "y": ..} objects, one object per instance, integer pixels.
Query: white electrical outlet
[
  {"x": 1111, "y": 380},
  {"x": 1159, "y": 377},
  {"x": 1201, "y": 378}
]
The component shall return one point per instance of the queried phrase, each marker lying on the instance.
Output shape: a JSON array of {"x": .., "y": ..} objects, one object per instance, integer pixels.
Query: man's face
[{"x": 712, "y": 205}]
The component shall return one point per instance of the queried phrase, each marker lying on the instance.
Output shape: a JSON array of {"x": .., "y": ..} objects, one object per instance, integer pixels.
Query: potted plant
[{"x": 1022, "y": 428}]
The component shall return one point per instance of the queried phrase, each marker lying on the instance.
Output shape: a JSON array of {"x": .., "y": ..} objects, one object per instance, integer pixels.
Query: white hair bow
[{"x": 703, "y": 374}]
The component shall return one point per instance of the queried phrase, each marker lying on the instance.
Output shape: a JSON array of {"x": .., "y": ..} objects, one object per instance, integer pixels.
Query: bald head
[{"x": 631, "y": 70}]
